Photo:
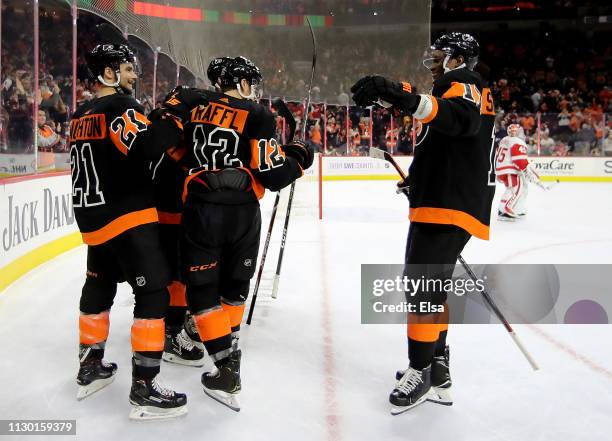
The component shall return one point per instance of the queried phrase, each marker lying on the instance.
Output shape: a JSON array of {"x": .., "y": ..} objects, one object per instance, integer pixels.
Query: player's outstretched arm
[{"x": 456, "y": 113}]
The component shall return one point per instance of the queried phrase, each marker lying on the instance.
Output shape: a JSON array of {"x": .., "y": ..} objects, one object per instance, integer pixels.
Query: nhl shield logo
[
  {"x": 141, "y": 281},
  {"x": 248, "y": 262}
]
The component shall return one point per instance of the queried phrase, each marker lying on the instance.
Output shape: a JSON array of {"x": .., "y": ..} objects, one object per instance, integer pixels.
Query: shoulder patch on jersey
[{"x": 466, "y": 91}]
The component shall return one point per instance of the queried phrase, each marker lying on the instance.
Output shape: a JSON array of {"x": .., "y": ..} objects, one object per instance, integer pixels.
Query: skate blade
[
  {"x": 506, "y": 219},
  {"x": 441, "y": 396},
  {"x": 171, "y": 358},
  {"x": 227, "y": 399},
  {"x": 150, "y": 413},
  {"x": 93, "y": 387}
]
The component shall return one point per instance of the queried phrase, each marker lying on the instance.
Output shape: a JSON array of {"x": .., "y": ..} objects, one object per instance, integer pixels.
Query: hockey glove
[
  {"x": 402, "y": 187},
  {"x": 301, "y": 152},
  {"x": 375, "y": 89},
  {"x": 181, "y": 101},
  {"x": 161, "y": 114}
]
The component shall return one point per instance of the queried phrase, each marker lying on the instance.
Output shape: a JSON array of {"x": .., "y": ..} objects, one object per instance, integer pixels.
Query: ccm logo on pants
[{"x": 203, "y": 267}]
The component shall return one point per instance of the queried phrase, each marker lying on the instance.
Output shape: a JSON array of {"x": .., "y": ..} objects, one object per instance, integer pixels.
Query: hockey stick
[
  {"x": 500, "y": 316},
  {"x": 381, "y": 154},
  {"x": 283, "y": 111},
  {"x": 386, "y": 156},
  {"x": 263, "y": 259},
  {"x": 292, "y": 191},
  {"x": 535, "y": 179}
]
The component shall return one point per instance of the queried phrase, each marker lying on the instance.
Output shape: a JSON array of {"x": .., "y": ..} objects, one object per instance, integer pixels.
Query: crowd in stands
[
  {"x": 556, "y": 85},
  {"x": 442, "y": 9},
  {"x": 557, "y": 79},
  {"x": 313, "y": 7}
]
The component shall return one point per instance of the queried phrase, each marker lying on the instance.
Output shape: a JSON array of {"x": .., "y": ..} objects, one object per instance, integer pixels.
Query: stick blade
[{"x": 378, "y": 153}]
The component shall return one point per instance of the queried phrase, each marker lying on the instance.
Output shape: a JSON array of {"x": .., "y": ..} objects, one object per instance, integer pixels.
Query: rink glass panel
[{"x": 17, "y": 134}]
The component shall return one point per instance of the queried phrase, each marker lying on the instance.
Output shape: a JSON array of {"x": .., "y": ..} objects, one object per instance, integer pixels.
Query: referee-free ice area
[{"x": 311, "y": 370}]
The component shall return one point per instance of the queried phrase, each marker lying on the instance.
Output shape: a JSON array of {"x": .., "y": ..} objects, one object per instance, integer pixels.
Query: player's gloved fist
[
  {"x": 375, "y": 89},
  {"x": 402, "y": 187},
  {"x": 181, "y": 101},
  {"x": 301, "y": 152}
]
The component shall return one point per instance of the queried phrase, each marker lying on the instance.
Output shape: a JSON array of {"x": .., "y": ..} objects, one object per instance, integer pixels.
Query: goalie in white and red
[{"x": 513, "y": 170}]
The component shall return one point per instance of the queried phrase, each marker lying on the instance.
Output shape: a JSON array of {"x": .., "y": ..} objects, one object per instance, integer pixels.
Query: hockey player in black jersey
[
  {"x": 230, "y": 150},
  {"x": 451, "y": 184},
  {"x": 183, "y": 344},
  {"x": 111, "y": 145}
]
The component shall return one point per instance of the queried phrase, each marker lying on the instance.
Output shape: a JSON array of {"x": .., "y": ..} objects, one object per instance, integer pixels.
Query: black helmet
[
  {"x": 217, "y": 68},
  {"x": 458, "y": 43},
  {"x": 238, "y": 69},
  {"x": 108, "y": 55}
]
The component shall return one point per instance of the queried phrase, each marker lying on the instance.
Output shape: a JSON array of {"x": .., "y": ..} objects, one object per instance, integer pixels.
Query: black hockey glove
[
  {"x": 181, "y": 101},
  {"x": 374, "y": 89},
  {"x": 402, "y": 187},
  {"x": 301, "y": 152}
]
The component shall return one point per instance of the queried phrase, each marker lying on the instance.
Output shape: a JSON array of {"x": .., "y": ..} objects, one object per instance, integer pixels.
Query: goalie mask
[
  {"x": 238, "y": 69},
  {"x": 113, "y": 56},
  {"x": 453, "y": 45},
  {"x": 514, "y": 130}
]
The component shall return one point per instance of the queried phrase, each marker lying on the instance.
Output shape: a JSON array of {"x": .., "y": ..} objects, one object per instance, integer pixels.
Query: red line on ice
[
  {"x": 569, "y": 351},
  {"x": 332, "y": 418}
]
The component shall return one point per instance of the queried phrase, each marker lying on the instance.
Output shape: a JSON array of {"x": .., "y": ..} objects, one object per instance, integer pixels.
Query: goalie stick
[
  {"x": 292, "y": 190},
  {"x": 531, "y": 175},
  {"x": 283, "y": 111},
  {"x": 381, "y": 154}
]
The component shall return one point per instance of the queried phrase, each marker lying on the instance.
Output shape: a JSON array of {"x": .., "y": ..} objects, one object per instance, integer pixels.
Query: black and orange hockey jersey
[
  {"x": 168, "y": 181},
  {"x": 452, "y": 176},
  {"x": 233, "y": 133},
  {"x": 111, "y": 142}
]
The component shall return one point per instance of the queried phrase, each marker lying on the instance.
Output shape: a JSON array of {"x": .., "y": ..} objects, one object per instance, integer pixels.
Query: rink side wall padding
[{"x": 36, "y": 222}]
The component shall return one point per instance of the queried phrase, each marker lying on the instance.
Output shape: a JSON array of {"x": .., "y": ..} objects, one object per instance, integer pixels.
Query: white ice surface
[{"x": 311, "y": 370}]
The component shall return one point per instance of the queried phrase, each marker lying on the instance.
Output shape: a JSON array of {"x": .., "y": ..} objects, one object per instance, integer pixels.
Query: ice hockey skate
[
  {"x": 192, "y": 331},
  {"x": 412, "y": 389},
  {"x": 440, "y": 379},
  {"x": 180, "y": 349},
  {"x": 505, "y": 217},
  {"x": 223, "y": 385},
  {"x": 153, "y": 401},
  {"x": 94, "y": 375}
]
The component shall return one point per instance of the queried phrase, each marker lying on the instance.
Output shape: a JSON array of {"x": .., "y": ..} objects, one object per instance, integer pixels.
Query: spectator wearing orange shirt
[
  {"x": 528, "y": 123},
  {"x": 46, "y": 135},
  {"x": 315, "y": 137}
]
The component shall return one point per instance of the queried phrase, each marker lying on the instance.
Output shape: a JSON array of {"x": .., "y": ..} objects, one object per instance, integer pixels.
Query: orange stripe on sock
[
  {"x": 443, "y": 327},
  {"x": 177, "y": 294},
  {"x": 148, "y": 335},
  {"x": 424, "y": 332},
  {"x": 93, "y": 328},
  {"x": 213, "y": 324},
  {"x": 235, "y": 313}
]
